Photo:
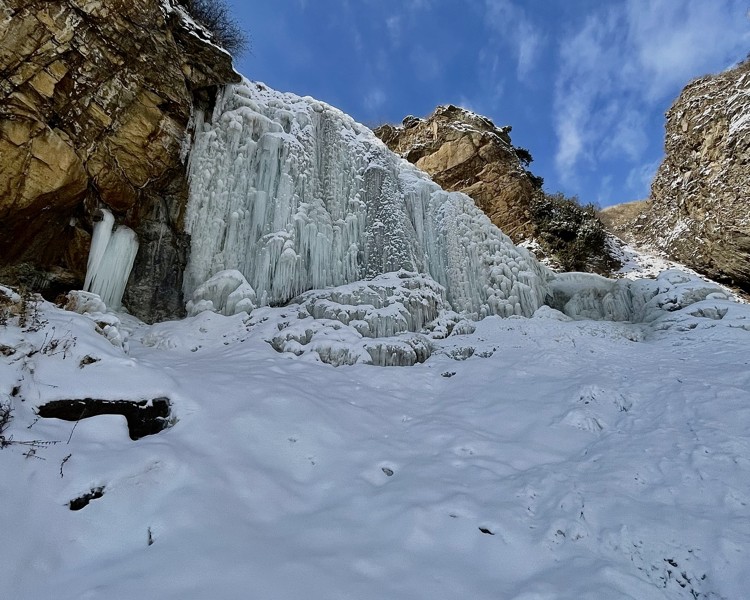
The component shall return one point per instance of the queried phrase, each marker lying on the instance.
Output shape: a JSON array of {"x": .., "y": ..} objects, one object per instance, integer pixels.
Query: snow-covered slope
[{"x": 562, "y": 459}]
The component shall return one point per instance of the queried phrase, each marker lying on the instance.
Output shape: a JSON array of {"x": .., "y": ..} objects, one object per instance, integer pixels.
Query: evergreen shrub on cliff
[{"x": 572, "y": 232}]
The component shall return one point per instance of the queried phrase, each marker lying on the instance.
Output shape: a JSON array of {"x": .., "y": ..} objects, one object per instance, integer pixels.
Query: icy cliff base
[
  {"x": 296, "y": 196},
  {"x": 400, "y": 319},
  {"x": 589, "y": 296}
]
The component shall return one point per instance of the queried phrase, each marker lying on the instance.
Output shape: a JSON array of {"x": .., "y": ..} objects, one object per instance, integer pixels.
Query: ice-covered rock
[
  {"x": 387, "y": 321},
  {"x": 588, "y": 296},
  {"x": 296, "y": 196}
]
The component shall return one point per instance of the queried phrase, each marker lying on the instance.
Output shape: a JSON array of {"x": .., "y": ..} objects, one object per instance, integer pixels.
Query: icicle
[
  {"x": 99, "y": 241},
  {"x": 111, "y": 259}
]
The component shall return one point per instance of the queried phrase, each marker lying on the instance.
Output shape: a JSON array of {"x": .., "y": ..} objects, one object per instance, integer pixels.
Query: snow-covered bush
[{"x": 572, "y": 232}]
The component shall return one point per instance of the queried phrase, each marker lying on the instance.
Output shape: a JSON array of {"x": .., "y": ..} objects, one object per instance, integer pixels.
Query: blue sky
[{"x": 584, "y": 83}]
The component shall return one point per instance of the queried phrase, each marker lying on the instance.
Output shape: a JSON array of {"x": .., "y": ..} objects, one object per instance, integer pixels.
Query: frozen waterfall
[
  {"x": 296, "y": 196},
  {"x": 111, "y": 259}
]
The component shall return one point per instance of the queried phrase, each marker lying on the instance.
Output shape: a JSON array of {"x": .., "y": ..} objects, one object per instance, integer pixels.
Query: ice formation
[
  {"x": 111, "y": 259},
  {"x": 589, "y": 296},
  {"x": 227, "y": 293},
  {"x": 390, "y": 320},
  {"x": 296, "y": 196}
]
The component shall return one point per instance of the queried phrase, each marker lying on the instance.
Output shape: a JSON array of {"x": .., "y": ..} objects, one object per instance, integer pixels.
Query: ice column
[{"x": 111, "y": 259}]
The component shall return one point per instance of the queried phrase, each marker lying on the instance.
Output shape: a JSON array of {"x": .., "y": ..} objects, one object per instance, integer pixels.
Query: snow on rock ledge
[{"x": 296, "y": 196}]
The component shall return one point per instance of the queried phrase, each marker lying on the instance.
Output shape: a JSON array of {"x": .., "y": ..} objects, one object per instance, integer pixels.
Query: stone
[
  {"x": 699, "y": 210},
  {"x": 95, "y": 107},
  {"x": 466, "y": 152}
]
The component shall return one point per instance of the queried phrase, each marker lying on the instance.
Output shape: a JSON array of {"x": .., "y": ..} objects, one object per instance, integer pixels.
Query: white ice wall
[{"x": 297, "y": 196}]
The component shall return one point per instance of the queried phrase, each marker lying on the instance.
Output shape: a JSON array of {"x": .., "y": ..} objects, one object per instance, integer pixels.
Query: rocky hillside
[
  {"x": 95, "y": 102},
  {"x": 619, "y": 218},
  {"x": 466, "y": 152},
  {"x": 699, "y": 211}
]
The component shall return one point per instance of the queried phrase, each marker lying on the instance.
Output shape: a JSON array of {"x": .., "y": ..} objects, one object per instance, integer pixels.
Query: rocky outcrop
[
  {"x": 619, "y": 218},
  {"x": 699, "y": 211},
  {"x": 96, "y": 98},
  {"x": 465, "y": 152}
]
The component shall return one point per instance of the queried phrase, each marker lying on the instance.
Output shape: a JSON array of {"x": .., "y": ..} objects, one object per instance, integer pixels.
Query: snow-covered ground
[{"x": 564, "y": 459}]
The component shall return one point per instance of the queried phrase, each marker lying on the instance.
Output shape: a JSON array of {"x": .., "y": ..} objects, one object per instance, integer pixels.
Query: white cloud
[
  {"x": 641, "y": 176},
  {"x": 623, "y": 60},
  {"x": 673, "y": 41},
  {"x": 418, "y": 4},
  {"x": 426, "y": 64},
  {"x": 513, "y": 27},
  {"x": 394, "y": 26},
  {"x": 374, "y": 99}
]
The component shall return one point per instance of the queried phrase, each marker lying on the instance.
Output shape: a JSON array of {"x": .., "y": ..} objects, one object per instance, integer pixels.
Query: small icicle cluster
[
  {"x": 111, "y": 259},
  {"x": 296, "y": 196}
]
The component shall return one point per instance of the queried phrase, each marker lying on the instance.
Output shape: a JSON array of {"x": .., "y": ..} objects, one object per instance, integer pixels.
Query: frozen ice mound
[
  {"x": 296, "y": 196},
  {"x": 227, "y": 293},
  {"x": 92, "y": 306},
  {"x": 390, "y": 320},
  {"x": 588, "y": 296}
]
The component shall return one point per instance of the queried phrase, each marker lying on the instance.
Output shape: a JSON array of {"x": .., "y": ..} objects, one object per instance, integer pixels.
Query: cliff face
[
  {"x": 95, "y": 102},
  {"x": 467, "y": 153},
  {"x": 699, "y": 212}
]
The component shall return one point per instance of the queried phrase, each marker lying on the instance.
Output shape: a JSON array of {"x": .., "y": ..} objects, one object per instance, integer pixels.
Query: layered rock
[
  {"x": 699, "y": 211},
  {"x": 95, "y": 103},
  {"x": 465, "y": 152}
]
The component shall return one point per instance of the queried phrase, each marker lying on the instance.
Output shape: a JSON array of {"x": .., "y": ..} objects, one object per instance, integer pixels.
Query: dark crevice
[
  {"x": 144, "y": 417},
  {"x": 83, "y": 500}
]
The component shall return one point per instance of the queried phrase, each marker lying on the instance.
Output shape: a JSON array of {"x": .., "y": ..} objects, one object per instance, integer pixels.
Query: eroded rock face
[
  {"x": 95, "y": 102},
  {"x": 699, "y": 212},
  {"x": 466, "y": 152}
]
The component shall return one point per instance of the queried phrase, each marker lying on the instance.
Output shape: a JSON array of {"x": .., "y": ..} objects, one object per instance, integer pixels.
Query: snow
[
  {"x": 296, "y": 196},
  {"x": 111, "y": 259},
  {"x": 528, "y": 458},
  {"x": 648, "y": 263}
]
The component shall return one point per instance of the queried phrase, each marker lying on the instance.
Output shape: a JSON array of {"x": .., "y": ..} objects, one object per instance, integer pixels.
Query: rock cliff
[
  {"x": 699, "y": 210},
  {"x": 96, "y": 98},
  {"x": 466, "y": 152}
]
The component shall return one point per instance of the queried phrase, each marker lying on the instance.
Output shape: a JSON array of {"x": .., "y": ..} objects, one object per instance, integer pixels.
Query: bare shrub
[{"x": 215, "y": 16}]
